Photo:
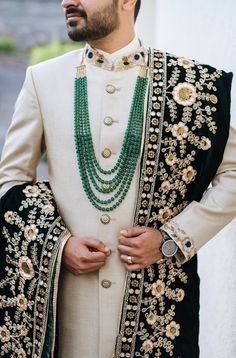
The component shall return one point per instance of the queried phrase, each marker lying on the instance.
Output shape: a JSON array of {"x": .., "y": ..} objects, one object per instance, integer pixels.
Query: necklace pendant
[
  {"x": 81, "y": 71},
  {"x": 106, "y": 186}
]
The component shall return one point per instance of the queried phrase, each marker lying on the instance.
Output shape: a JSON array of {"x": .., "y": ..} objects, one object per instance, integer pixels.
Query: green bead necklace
[{"x": 114, "y": 182}]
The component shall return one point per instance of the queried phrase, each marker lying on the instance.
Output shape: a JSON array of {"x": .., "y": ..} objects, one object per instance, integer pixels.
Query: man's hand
[
  {"x": 84, "y": 255},
  {"x": 142, "y": 244}
]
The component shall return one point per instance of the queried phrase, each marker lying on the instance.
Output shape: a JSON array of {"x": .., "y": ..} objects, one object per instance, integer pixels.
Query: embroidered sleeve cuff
[{"x": 186, "y": 245}]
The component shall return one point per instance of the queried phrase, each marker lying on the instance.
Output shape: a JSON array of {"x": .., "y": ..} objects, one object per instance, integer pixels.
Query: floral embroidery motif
[
  {"x": 185, "y": 94},
  {"x": 172, "y": 330},
  {"x": 137, "y": 58},
  {"x": 33, "y": 233},
  {"x": 158, "y": 288},
  {"x": 31, "y": 191},
  {"x": 180, "y": 131},
  {"x": 26, "y": 268},
  {"x": 185, "y": 63},
  {"x": 4, "y": 334},
  {"x": 189, "y": 174},
  {"x": 9, "y": 216},
  {"x": 147, "y": 345},
  {"x": 22, "y": 302},
  {"x": 21, "y": 353}
]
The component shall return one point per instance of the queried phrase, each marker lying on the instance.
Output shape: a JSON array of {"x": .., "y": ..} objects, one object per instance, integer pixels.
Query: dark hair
[{"x": 137, "y": 8}]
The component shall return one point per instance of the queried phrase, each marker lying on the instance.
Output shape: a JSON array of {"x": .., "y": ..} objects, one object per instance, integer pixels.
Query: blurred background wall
[{"x": 202, "y": 30}]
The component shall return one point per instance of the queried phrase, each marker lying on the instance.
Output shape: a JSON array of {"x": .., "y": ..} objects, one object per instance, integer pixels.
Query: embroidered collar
[{"x": 103, "y": 60}]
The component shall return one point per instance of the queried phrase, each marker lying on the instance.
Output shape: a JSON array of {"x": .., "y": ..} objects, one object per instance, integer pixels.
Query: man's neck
[{"x": 113, "y": 42}]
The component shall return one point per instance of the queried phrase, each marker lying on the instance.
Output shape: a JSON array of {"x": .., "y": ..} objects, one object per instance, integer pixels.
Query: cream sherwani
[{"x": 89, "y": 305}]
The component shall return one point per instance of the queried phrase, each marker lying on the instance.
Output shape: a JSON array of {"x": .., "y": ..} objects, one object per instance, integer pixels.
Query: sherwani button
[
  {"x": 105, "y": 219},
  {"x": 106, "y": 283},
  {"x": 108, "y": 121},
  {"x": 106, "y": 153},
  {"x": 110, "y": 89},
  {"x": 109, "y": 253}
]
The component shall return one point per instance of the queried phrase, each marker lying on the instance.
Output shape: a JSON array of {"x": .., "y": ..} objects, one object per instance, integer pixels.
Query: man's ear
[{"x": 128, "y": 5}]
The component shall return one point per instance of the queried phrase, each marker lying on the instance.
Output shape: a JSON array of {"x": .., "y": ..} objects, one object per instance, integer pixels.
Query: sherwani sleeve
[
  {"x": 24, "y": 143},
  {"x": 201, "y": 221}
]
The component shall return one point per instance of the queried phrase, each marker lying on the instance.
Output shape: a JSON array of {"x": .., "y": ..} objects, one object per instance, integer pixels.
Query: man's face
[{"x": 89, "y": 20}]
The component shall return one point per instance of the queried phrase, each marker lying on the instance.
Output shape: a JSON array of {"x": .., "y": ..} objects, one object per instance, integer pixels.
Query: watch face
[{"x": 169, "y": 248}]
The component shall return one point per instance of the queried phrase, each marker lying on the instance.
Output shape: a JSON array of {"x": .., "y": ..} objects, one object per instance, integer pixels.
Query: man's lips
[
  {"x": 74, "y": 13},
  {"x": 72, "y": 16}
]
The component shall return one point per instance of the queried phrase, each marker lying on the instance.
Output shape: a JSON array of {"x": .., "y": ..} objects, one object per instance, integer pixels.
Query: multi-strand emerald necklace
[{"x": 115, "y": 182}]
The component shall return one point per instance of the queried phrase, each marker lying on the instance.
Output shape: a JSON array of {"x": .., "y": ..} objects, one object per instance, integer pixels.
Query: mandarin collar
[{"x": 133, "y": 54}]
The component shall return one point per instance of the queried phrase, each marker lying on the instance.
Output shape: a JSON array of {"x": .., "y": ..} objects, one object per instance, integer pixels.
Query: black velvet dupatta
[{"x": 187, "y": 127}]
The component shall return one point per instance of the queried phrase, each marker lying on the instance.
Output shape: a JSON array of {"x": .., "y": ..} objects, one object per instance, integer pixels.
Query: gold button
[
  {"x": 108, "y": 121},
  {"x": 106, "y": 283},
  {"x": 109, "y": 253},
  {"x": 110, "y": 89},
  {"x": 106, "y": 153},
  {"x": 105, "y": 219}
]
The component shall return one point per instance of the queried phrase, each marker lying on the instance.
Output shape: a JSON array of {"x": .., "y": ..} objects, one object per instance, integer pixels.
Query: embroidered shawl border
[{"x": 157, "y": 63}]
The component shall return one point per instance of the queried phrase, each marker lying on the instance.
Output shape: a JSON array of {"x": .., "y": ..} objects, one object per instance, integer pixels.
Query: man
[{"x": 133, "y": 142}]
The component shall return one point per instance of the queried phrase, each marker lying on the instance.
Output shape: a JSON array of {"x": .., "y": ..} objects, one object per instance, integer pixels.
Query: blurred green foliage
[
  {"x": 55, "y": 48},
  {"x": 7, "y": 44}
]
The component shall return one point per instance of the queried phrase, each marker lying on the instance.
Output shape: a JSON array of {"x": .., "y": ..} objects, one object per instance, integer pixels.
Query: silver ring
[{"x": 130, "y": 260}]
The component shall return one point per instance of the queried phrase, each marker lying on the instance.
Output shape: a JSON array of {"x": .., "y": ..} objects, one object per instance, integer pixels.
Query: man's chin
[{"x": 75, "y": 35}]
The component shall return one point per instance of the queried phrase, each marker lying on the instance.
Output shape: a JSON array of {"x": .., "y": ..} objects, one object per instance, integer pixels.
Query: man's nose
[{"x": 67, "y": 3}]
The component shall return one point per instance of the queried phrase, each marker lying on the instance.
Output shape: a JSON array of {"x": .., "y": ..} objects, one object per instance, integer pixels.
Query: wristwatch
[{"x": 168, "y": 248}]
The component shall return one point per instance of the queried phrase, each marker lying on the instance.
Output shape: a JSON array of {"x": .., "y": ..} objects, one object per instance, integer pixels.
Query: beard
[{"x": 96, "y": 26}]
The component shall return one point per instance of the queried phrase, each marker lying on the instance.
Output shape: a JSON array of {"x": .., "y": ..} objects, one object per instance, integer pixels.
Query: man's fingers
[
  {"x": 124, "y": 259},
  {"x": 96, "y": 245},
  {"x": 126, "y": 242},
  {"x": 134, "y": 267},
  {"x": 125, "y": 250},
  {"x": 96, "y": 256},
  {"x": 135, "y": 231}
]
